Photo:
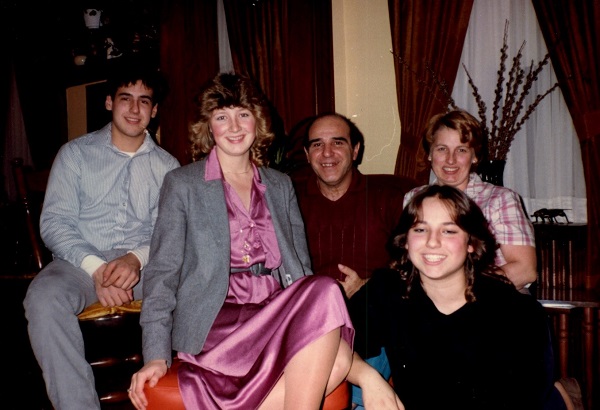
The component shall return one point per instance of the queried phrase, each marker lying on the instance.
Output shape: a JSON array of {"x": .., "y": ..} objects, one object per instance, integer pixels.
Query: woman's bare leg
[
  {"x": 320, "y": 366},
  {"x": 341, "y": 367},
  {"x": 276, "y": 397}
]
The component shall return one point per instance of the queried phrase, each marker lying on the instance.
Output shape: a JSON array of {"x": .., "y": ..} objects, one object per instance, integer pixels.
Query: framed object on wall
[{"x": 85, "y": 108}]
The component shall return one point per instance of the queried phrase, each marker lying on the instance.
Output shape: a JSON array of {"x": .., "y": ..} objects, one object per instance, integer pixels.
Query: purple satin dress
[{"x": 260, "y": 326}]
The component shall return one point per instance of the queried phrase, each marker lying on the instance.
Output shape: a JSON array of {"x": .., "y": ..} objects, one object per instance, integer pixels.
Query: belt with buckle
[{"x": 257, "y": 269}]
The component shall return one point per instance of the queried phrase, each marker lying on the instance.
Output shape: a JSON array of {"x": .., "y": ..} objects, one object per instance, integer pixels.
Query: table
[{"x": 565, "y": 304}]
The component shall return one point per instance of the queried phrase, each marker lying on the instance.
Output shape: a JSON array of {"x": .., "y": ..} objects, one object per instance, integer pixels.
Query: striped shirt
[
  {"x": 502, "y": 208},
  {"x": 100, "y": 199}
]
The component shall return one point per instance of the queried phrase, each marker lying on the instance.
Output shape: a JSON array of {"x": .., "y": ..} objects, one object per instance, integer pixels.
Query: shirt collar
[
  {"x": 474, "y": 186},
  {"x": 356, "y": 184},
  {"x": 104, "y": 138},
  {"x": 212, "y": 169}
]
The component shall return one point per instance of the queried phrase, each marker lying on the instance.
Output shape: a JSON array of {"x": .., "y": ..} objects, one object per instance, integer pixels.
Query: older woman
[
  {"x": 454, "y": 142},
  {"x": 228, "y": 285}
]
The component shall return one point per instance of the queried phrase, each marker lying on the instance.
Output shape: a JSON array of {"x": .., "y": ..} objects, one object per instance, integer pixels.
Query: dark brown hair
[
  {"x": 129, "y": 72},
  {"x": 467, "y": 216}
]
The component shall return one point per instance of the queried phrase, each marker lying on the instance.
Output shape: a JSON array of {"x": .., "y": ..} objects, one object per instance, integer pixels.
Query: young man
[
  {"x": 349, "y": 217},
  {"x": 97, "y": 219}
]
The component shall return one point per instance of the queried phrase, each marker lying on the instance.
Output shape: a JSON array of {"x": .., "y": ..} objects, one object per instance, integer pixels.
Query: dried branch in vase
[
  {"x": 431, "y": 82},
  {"x": 508, "y": 114}
]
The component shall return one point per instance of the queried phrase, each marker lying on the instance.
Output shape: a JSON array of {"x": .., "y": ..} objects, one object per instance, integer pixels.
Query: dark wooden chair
[
  {"x": 112, "y": 338},
  {"x": 30, "y": 187}
]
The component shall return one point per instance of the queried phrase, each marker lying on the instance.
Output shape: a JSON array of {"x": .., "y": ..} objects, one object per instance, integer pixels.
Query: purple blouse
[{"x": 253, "y": 238}]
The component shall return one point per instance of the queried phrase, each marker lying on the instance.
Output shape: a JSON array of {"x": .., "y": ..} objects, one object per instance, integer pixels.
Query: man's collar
[
  {"x": 105, "y": 138},
  {"x": 356, "y": 183}
]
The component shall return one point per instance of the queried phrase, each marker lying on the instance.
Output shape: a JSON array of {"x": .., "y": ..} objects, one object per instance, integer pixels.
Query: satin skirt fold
[{"x": 256, "y": 333}]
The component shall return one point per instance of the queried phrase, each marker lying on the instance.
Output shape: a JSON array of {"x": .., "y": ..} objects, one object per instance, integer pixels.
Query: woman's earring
[{"x": 429, "y": 158}]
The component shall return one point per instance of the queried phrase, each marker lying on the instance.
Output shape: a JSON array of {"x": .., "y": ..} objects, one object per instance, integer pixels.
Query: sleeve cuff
[
  {"x": 142, "y": 253},
  {"x": 91, "y": 263}
]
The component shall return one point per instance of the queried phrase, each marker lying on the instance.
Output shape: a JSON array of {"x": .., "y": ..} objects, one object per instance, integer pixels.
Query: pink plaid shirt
[{"x": 502, "y": 208}]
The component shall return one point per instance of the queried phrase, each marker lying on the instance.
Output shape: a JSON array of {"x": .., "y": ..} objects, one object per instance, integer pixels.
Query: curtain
[
  {"x": 225, "y": 59},
  {"x": 34, "y": 42},
  {"x": 424, "y": 33},
  {"x": 286, "y": 46},
  {"x": 574, "y": 27},
  {"x": 189, "y": 56},
  {"x": 16, "y": 144},
  {"x": 544, "y": 161}
]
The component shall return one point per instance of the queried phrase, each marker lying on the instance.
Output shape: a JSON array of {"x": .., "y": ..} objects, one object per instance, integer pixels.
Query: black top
[{"x": 493, "y": 353}]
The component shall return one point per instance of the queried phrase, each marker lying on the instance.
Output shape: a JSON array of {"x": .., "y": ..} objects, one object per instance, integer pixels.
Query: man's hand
[
  {"x": 151, "y": 373},
  {"x": 123, "y": 272},
  {"x": 352, "y": 282},
  {"x": 110, "y": 295},
  {"x": 115, "y": 280}
]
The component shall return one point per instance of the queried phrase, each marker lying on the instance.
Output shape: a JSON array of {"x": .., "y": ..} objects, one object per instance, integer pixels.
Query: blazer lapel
[
  {"x": 213, "y": 201},
  {"x": 276, "y": 204}
]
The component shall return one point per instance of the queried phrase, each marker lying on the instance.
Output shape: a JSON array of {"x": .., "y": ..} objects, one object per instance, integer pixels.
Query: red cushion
[
  {"x": 165, "y": 395},
  {"x": 339, "y": 399}
]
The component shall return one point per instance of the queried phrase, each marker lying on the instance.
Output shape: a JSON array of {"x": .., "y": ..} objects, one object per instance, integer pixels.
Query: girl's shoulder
[{"x": 504, "y": 297}]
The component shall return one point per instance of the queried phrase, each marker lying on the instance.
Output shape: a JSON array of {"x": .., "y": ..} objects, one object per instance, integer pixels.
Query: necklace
[{"x": 238, "y": 173}]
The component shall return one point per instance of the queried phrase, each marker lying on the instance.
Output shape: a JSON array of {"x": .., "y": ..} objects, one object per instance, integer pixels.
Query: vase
[
  {"x": 492, "y": 171},
  {"x": 92, "y": 18}
]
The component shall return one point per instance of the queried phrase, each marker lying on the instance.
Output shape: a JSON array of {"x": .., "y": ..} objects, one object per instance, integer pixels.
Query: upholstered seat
[{"x": 165, "y": 395}]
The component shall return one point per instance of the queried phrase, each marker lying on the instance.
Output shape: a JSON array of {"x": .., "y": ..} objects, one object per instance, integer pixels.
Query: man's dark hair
[
  {"x": 356, "y": 136},
  {"x": 130, "y": 72}
]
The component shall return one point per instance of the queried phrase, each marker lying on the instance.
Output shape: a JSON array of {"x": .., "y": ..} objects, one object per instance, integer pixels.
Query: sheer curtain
[
  {"x": 225, "y": 59},
  {"x": 544, "y": 163},
  {"x": 16, "y": 144}
]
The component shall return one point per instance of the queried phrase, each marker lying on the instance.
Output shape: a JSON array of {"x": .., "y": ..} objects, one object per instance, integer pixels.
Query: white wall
[{"x": 365, "y": 88}]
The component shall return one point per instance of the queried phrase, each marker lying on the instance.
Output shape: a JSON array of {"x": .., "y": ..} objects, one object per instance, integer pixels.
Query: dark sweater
[
  {"x": 489, "y": 354},
  {"x": 353, "y": 230}
]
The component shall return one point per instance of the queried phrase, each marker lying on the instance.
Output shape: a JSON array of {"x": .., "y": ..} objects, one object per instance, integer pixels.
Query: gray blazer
[{"x": 187, "y": 277}]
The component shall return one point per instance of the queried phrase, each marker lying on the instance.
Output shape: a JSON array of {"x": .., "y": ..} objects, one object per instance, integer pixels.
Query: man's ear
[
  {"x": 356, "y": 149},
  {"x": 108, "y": 103},
  {"x": 307, "y": 157},
  {"x": 154, "y": 111}
]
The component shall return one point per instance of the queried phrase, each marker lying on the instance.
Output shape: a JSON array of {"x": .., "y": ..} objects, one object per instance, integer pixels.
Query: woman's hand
[
  {"x": 151, "y": 373},
  {"x": 377, "y": 392}
]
